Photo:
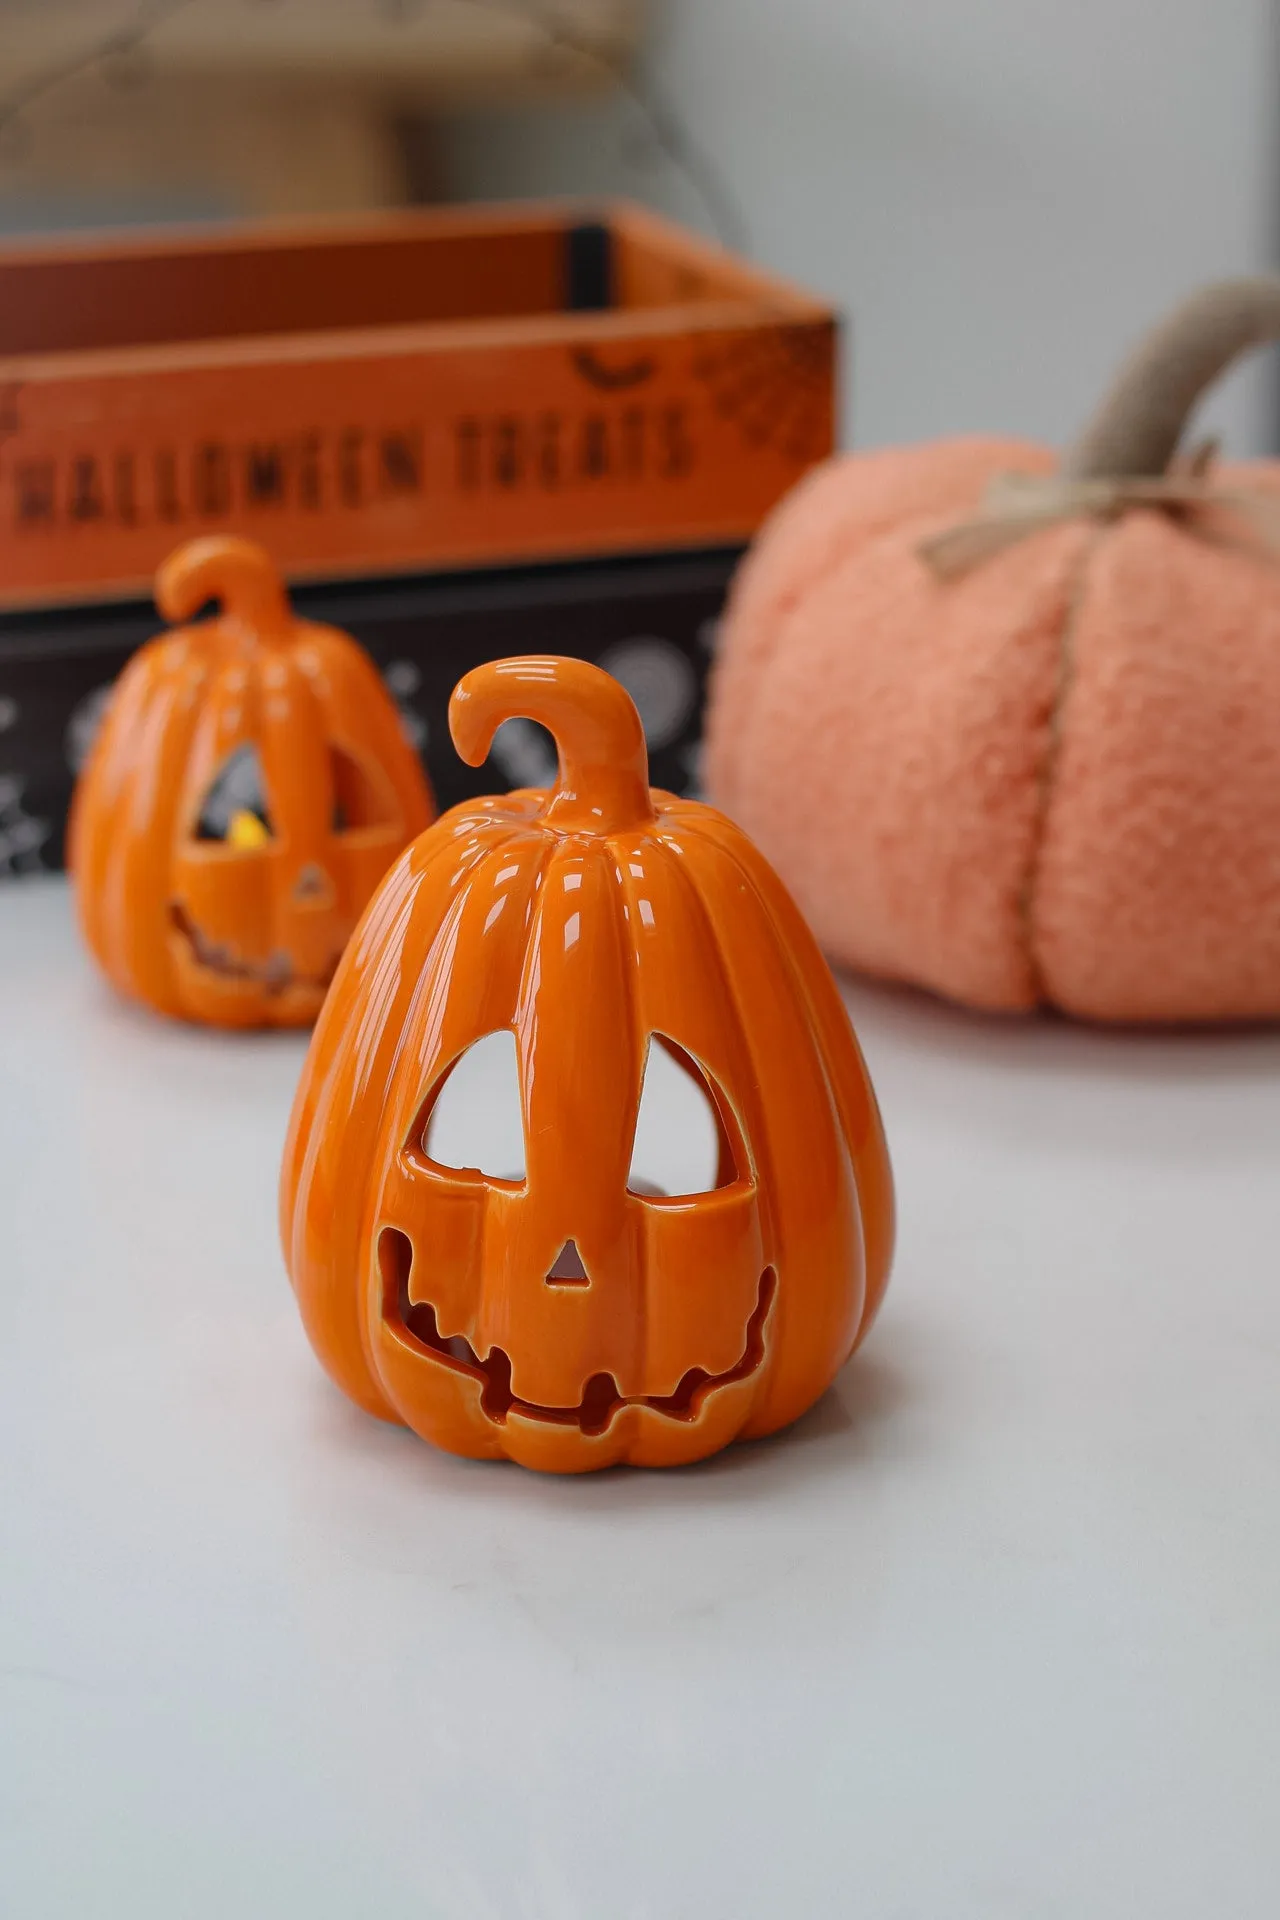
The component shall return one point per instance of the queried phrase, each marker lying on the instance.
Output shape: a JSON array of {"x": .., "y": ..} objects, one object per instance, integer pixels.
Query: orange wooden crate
[{"x": 442, "y": 389}]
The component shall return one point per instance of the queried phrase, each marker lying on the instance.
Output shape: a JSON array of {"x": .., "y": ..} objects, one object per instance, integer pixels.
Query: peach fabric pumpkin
[{"x": 1053, "y": 778}]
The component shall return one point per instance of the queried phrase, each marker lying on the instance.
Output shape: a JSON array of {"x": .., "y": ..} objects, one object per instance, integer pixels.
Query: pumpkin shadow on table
[
  {"x": 586, "y": 1567},
  {"x": 870, "y": 1397},
  {"x": 864, "y": 1410}
]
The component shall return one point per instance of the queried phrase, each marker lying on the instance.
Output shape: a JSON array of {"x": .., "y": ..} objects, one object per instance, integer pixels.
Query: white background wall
[{"x": 1000, "y": 193}]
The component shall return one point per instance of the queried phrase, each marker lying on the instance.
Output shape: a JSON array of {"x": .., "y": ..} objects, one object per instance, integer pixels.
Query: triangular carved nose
[
  {"x": 313, "y": 885},
  {"x": 568, "y": 1270}
]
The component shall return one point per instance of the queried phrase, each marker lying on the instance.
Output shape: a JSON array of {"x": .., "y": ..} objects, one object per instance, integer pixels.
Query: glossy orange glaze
[
  {"x": 586, "y": 919},
  {"x": 204, "y": 928}
]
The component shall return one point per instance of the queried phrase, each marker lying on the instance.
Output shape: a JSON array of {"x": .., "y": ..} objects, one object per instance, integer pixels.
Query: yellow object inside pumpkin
[{"x": 246, "y": 830}]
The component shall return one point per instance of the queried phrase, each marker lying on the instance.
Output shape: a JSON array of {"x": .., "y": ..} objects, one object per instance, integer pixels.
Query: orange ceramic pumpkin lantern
[
  {"x": 249, "y": 788},
  {"x": 1008, "y": 725},
  {"x": 564, "y": 1314}
]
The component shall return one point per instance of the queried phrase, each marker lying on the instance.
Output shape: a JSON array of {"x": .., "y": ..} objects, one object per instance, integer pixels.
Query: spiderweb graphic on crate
[{"x": 775, "y": 383}]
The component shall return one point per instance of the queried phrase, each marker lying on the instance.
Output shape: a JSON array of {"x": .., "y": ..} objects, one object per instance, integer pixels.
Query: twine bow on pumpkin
[
  {"x": 1127, "y": 457},
  {"x": 1016, "y": 505}
]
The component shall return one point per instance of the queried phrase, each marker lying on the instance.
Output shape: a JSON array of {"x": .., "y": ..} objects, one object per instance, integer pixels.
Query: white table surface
[{"x": 994, "y": 1632}]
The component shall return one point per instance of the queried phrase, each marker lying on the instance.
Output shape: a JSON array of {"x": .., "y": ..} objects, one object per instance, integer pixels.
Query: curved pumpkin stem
[
  {"x": 1135, "y": 432},
  {"x": 603, "y": 782},
  {"x": 236, "y": 572}
]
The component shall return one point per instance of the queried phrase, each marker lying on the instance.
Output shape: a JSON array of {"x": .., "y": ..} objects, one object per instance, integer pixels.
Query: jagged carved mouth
[
  {"x": 601, "y": 1399},
  {"x": 275, "y": 973}
]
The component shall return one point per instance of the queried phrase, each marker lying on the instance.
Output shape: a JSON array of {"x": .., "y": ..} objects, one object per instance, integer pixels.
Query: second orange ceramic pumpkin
[
  {"x": 563, "y": 1315},
  {"x": 249, "y": 788}
]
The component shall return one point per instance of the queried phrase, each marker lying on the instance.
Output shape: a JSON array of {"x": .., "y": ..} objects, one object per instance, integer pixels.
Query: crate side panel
[{"x": 356, "y": 462}]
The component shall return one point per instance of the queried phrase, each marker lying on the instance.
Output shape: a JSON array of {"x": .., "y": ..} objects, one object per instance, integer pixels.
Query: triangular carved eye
[
  {"x": 235, "y": 807},
  {"x": 682, "y": 1145},
  {"x": 475, "y": 1120}
]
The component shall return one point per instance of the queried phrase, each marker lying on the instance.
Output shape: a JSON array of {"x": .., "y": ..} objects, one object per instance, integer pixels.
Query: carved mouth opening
[
  {"x": 601, "y": 1399},
  {"x": 275, "y": 973}
]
